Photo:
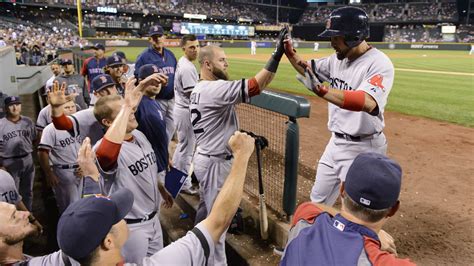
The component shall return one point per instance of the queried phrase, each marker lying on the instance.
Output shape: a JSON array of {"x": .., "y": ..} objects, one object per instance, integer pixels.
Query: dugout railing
[{"x": 273, "y": 115}]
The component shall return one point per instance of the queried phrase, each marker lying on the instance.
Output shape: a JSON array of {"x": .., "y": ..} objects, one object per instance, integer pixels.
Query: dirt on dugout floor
[{"x": 435, "y": 223}]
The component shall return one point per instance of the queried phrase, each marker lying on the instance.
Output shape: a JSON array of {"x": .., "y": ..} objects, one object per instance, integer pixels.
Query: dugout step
[{"x": 241, "y": 249}]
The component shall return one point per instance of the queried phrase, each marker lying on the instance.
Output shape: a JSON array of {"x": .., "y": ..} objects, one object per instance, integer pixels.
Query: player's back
[{"x": 213, "y": 115}]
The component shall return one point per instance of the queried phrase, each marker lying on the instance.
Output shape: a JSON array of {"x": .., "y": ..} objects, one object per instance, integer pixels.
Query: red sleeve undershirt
[
  {"x": 254, "y": 88},
  {"x": 307, "y": 211},
  {"x": 107, "y": 154},
  {"x": 378, "y": 257},
  {"x": 62, "y": 122}
]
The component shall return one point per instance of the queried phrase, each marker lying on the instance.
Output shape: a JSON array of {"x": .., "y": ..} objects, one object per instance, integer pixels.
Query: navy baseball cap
[
  {"x": 156, "y": 30},
  {"x": 121, "y": 54},
  {"x": 114, "y": 60},
  {"x": 98, "y": 46},
  {"x": 86, "y": 222},
  {"x": 147, "y": 70},
  {"x": 66, "y": 62},
  {"x": 12, "y": 100},
  {"x": 102, "y": 81},
  {"x": 374, "y": 181}
]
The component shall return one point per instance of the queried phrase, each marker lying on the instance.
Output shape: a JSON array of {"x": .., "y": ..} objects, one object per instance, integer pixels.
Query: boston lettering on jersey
[
  {"x": 340, "y": 84},
  {"x": 16, "y": 133},
  {"x": 70, "y": 140},
  {"x": 10, "y": 196},
  {"x": 166, "y": 70},
  {"x": 143, "y": 163}
]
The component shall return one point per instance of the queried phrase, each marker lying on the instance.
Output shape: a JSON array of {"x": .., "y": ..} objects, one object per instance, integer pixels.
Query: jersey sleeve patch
[
  {"x": 376, "y": 80},
  {"x": 306, "y": 211}
]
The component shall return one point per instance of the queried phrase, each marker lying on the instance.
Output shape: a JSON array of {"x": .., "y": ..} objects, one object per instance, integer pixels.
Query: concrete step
[{"x": 244, "y": 249}]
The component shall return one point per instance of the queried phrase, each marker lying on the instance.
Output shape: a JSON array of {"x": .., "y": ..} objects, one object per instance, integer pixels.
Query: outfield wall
[{"x": 269, "y": 44}]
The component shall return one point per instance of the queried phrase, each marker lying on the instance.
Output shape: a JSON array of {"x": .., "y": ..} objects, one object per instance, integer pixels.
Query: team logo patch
[
  {"x": 340, "y": 226},
  {"x": 365, "y": 201},
  {"x": 103, "y": 79},
  {"x": 377, "y": 80}
]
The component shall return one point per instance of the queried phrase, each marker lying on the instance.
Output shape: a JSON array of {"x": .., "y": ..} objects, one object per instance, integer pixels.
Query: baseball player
[
  {"x": 75, "y": 83},
  {"x": 214, "y": 120},
  {"x": 369, "y": 198},
  {"x": 59, "y": 148},
  {"x": 94, "y": 66},
  {"x": 253, "y": 47},
  {"x": 158, "y": 55},
  {"x": 126, "y": 160},
  {"x": 114, "y": 68},
  {"x": 128, "y": 68},
  {"x": 9, "y": 194},
  {"x": 83, "y": 122},
  {"x": 151, "y": 119},
  {"x": 360, "y": 79},
  {"x": 56, "y": 69},
  {"x": 18, "y": 136},
  {"x": 185, "y": 79},
  {"x": 105, "y": 231}
]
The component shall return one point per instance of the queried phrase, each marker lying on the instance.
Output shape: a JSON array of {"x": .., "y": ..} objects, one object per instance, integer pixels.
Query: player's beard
[{"x": 220, "y": 74}]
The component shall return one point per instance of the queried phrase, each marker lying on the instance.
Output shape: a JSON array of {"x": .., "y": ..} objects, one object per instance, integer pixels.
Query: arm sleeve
[
  {"x": 41, "y": 122},
  {"x": 189, "y": 79},
  {"x": 62, "y": 123},
  {"x": 138, "y": 64},
  {"x": 321, "y": 68},
  {"x": 378, "y": 82},
  {"x": 47, "y": 139},
  {"x": 84, "y": 70},
  {"x": 306, "y": 211},
  {"x": 85, "y": 90},
  {"x": 188, "y": 250},
  {"x": 107, "y": 154},
  {"x": 230, "y": 92}
]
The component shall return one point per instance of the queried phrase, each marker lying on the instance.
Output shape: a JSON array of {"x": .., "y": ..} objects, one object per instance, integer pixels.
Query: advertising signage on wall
[{"x": 213, "y": 29}]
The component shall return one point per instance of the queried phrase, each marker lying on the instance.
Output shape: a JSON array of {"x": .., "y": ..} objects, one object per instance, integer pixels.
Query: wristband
[{"x": 272, "y": 65}]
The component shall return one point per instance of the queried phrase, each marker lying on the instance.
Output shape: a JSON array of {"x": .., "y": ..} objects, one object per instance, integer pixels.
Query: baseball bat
[{"x": 261, "y": 199}]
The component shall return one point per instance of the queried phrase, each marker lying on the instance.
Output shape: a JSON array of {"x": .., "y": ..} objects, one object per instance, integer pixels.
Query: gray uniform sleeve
[
  {"x": 188, "y": 250},
  {"x": 321, "y": 68},
  {"x": 189, "y": 80},
  {"x": 378, "y": 81},
  {"x": 48, "y": 138},
  {"x": 229, "y": 92},
  {"x": 55, "y": 258},
  {"x": 42, "y": 120},
  {"x": 8, "y": 191}
]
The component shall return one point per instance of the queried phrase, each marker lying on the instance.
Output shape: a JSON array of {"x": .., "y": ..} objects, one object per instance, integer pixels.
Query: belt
[
  {"x": 222, "y": 156},
  {"x": 353, "y": 138},
  {"x": 16, "y": 157},
  {"x": 136, "y": 221},
  {"x": 66, "y": 166}
]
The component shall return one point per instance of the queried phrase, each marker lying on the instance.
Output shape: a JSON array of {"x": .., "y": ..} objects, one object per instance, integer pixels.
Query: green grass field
[{"x": 445, "y": 92}]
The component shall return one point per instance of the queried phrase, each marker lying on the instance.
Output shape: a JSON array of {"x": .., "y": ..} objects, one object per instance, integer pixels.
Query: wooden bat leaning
[{"x": 261, "y": 199}]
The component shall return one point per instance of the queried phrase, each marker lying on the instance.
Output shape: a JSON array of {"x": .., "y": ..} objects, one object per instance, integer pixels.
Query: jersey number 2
[{"x": 195, "y": 120}]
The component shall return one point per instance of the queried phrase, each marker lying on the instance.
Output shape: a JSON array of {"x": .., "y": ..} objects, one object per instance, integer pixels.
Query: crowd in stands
[
  {"x": 211, "y": 8},
  {"x": 427, "y": 33},
  {"x": 391, "y": 12},
  {"x": 37, "y": 45}
]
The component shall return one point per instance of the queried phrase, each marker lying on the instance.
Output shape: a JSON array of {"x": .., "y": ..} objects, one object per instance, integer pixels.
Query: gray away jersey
[
  {"x": 136, "y": 169},
  {"x": 372, "y": 73},
  {"x": 186, "y": 77},
  {"x": 8, "y": 191},
  {"x": 62, "y": 146},
  {"x": 213, "y": 114},
  {"x": 16, "y": 139}
]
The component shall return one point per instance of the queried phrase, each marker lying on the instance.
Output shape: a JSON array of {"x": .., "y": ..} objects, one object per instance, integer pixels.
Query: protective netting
[{"x": 272, "y": 126}]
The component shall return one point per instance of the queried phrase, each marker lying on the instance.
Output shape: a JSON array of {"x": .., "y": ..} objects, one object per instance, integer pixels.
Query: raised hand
[
  {"x": 133, "y": 94},
  {"x": 86, "y": 160},
  {"x": 57, "y": 96}
]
